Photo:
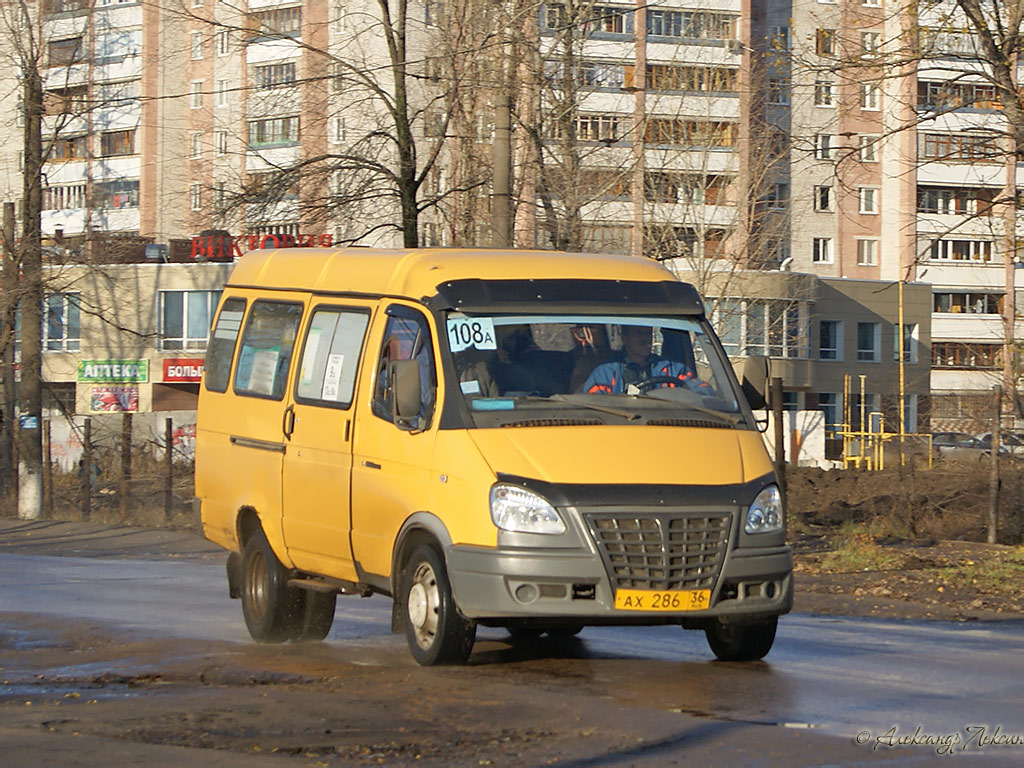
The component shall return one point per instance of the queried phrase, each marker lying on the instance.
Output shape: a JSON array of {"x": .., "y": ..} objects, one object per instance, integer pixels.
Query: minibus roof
[{"x": 470, "y": 278}]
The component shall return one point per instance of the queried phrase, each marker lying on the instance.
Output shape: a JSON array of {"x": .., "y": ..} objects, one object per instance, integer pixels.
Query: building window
[
  {"x": 195, "y": 100},
  {"x": 868, "y": 199},
  {"x": 273, "y": 131},
  {"x": 825, "y": 42},
  {"x": 909, "y": 343},
  {"x": 62, "y": 322},
  {"x": 197, "y": 45},
  {"x": 778, "y": 196},
  {"x": 823, "y": 143},
  {"x": 822, "y": 250},
  {"x": 956, "y": 354},
  {"x": 868, "y": 341},
  {"x": 185, "y": 318},
  {"x": 71, "y": 148},
  {"x": 965, "y": 147},
  {"x": 962, "y": 250},
  {"x": 64, "y": 53},
  {"x": 828, "y": 404},
  {"x": 824, "y": 93},
  {"x": 274, "y": 75},
  {"x": 223, "y": 43},
  {"x": 968, "y": 303},
  {"x": 867, "y": 252},
  {"x": 830, "y": 340},
  {"x": 222, "y": 93},
  {"x": 869, "y": 95},
  {"x": 868, "y": 148},
  {"x": 276, "y": 22},
  {"x": 338, "y": 130},
  {"x": 823, "y": 198},
  {"x": 115, "y": 143},
  {"x": 870, "y": 44},
  {"x": 116, "y": 194},
  {"x": 195, "y": 197},
  {"x": 196, "y": 144},
  {"x": 778, "y": 38},
  {"x": 956, "y": 200},
  {"x": 778, "y": 90},
  {"x": 220, "y": 139},
  {"x": 693, "y": 25}
]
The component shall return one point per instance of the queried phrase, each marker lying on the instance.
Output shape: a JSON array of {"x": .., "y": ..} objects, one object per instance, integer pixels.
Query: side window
[
  {"x": 221, "y": 349},
  {"x": 330, "y": 356},
  {"x": 266, "y": 352},
  {"x": 406, "y": 337}
]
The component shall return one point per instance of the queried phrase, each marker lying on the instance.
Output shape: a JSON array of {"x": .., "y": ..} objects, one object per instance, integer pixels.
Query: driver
[{"x": 635, "y": 364}]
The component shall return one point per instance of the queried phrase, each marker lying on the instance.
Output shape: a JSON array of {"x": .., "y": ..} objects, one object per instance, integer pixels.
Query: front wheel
[
  {"x": 436, "y": 631},
  {"x": 271, "y": 608},
  {"x": 741, "y": 642}
]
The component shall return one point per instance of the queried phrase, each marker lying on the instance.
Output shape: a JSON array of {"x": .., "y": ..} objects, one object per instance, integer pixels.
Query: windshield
[{"x": 608, "y": 369}]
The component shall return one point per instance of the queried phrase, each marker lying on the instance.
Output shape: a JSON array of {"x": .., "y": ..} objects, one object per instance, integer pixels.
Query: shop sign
[
  {"x": 112, "y": 399},
  {"x": 183, "y": 369},
  {"x": 136, "y": 371},
  {"x": 223, "y": 247}
]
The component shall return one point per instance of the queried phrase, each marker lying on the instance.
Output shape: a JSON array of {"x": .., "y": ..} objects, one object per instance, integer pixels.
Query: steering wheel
[{"x": 650, "y": 383}]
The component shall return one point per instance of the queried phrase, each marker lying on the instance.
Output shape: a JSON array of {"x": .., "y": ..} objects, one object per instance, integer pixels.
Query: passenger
[
  {"x": 635, "y": 364},
  {"x": 590, "y": 348}
]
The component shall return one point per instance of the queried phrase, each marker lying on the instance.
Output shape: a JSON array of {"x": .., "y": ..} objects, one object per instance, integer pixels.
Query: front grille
[{"x": 661, "y": 551}]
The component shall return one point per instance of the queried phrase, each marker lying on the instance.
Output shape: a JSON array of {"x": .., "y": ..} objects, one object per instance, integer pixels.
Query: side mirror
[
  {"x": 755, "y": 381},
  {"x": 404, "y": 395}
]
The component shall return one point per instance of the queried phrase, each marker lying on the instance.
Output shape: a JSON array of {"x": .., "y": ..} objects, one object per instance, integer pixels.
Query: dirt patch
[{"x": 907, "y": 542}]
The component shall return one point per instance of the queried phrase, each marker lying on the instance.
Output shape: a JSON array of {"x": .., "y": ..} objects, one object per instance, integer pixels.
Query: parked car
[
  {"x": 959, "y": 446},
  {"x": 1008, "y": 441}
]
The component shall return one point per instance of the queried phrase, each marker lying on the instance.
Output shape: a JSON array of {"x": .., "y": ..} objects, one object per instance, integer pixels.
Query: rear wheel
[
  {"x": 741, "y": 642},
  {"x": 271, "y": 608},
  {"x": 317, "y": 615},
  {"x": 436, "y": 631}
]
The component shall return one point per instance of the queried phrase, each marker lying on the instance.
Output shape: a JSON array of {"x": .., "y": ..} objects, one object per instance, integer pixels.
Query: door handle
[
  {"x": 288, "y": 422},
  {"x": 371, "y": 465}
]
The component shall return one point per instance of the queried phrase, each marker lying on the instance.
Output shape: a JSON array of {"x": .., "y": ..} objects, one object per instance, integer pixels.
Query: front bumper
[{"x": 513, "y": 583}]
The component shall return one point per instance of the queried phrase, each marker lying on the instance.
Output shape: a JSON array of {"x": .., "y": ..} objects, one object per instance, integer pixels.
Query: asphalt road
[{"x": 110, "y": 627}]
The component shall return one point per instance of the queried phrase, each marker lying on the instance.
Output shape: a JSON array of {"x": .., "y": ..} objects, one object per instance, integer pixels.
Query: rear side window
[
  {"x": 267, "y": 345},
  {"x": 330, "y": 356},
  {"x": 221, "y": 349}
]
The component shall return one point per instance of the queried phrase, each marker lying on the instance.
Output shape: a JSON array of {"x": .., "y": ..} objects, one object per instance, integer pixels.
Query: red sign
[
  {"x": 183, "y": 369},
  {"x": 224, "y": 247}
]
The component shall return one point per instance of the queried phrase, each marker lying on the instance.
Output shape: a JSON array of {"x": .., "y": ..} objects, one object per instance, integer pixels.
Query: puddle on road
[
  {"x": 12, "y": 639},
  {"x": 53, "y": 693}
]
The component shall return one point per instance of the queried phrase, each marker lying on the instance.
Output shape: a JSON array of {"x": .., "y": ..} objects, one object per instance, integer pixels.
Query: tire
[
  {"x": 271, "y": 608},
  {"x": 317, "y": 615},
  {"x": 741, "y": 642},
  {"x": 436, "y": 631}
]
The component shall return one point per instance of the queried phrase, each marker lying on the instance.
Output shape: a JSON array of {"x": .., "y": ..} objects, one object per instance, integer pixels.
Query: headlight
[
  {"x": 517, "y": 509},
  {"x": 765, "y": 514}
]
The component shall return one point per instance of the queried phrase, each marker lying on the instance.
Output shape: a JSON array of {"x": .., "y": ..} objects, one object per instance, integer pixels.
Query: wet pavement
[{"x": 148, "y": 660}]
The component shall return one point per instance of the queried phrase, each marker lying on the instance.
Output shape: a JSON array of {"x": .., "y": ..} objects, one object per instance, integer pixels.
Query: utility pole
[
  {"x": 30, "y": 442},
  {"x": 501, "y": 208}
]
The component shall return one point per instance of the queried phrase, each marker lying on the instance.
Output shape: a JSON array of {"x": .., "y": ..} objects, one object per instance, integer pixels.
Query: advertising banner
[{"x": 112, "y": 399}]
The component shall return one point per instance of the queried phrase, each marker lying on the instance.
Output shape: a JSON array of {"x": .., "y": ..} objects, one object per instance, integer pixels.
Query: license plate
[{"x": 655, "y": 600}]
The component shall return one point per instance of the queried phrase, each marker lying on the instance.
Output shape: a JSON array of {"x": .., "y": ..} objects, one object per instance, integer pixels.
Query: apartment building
[
  {"x": 894, "y": 175},
  {"x": 707, "y": 133}
]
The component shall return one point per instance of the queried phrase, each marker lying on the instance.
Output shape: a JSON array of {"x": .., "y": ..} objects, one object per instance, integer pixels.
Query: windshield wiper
[{"x": 570, "y": 400}]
